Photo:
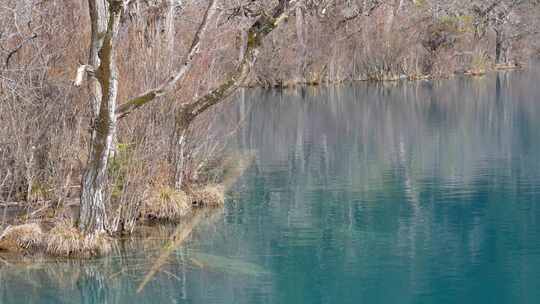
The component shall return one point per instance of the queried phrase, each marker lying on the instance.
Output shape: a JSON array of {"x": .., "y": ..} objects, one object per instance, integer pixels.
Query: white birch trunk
[{"x": 105, "y": 16}]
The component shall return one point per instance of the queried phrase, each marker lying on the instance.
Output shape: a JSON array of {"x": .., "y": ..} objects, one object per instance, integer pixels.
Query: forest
[{"x": 109, "y": 108}]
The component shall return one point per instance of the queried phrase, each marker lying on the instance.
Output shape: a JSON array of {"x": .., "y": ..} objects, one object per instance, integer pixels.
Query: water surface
[{"x": 424, "y": 192}]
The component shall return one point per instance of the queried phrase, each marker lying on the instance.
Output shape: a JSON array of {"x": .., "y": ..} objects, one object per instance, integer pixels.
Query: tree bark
[
  {"x": 302, "y": 49},
  {"x": 178, "y": 152},
  {"x": 98, "y": 19},
  {"x": 105, "y": 17},
  {"x": 243, "y": 44},
  {"x": 170, "y": 29}
]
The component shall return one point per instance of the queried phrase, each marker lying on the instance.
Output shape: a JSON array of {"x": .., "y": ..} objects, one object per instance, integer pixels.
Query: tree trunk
[
  {"x": 302, "y": 49},
  {"x": 365, "y": 31},
  {"x": 394, "y": 11},
  {"x": 98, "y": 19},
  {"x": 105, "y": 16},
  {"x": 105, "y": 19},
  {"x": 498, "y": 46},
  {"x": 243, "y": 44},
  {"x": 169, "y": 27},
  {"x": 500, "y": 50},
  {"x": 182, "y": 122}
]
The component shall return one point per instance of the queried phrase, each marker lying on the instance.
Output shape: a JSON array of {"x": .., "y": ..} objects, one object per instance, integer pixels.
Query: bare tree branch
[
  {"x": 256, "y": 33},
  {"x": 262, "y": 27},
  {"x": 139, "y": 101},
  {"x": 17, "y": 48}
]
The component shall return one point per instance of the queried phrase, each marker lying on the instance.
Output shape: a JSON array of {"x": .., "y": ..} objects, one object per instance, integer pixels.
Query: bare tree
[
  {"x": 502, "y": 17},
  {"x": 105, "y": 17},
  {"x": 186, "y": 113}
]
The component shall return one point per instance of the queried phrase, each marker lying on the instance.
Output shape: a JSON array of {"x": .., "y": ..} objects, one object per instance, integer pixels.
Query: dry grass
[
  {"x": 166, "y": 204},
  {"x": 208, "y": 196},
  {"x": 67, "y": 241},
  {"x": 22, "y": 238}
]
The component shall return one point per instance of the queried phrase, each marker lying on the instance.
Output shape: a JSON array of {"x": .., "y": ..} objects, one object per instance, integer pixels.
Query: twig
[{"x": 17, "y": 48}]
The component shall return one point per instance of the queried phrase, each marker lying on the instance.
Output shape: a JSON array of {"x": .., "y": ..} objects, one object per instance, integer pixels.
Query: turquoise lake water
[{"x": 423, "y": 192}]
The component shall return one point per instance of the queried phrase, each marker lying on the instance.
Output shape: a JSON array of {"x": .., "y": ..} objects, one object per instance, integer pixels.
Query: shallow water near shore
[{"x": 416, "y": 192}]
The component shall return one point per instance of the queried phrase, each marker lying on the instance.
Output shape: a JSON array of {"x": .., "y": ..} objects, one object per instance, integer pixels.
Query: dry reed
[{"x": 67, "y": 241}]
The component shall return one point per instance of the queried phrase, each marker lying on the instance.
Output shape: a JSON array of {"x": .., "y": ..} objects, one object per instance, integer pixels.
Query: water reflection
[
  {"x": 152, "y": 265},
  {"x": 427, "y": 190},
  {"x": 423, "y": 192}
]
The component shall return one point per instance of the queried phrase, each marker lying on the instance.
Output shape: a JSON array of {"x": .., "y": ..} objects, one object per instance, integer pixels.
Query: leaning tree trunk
[
  {"x": 105, "y": 18},
  {"x": 186, "y": 114}
]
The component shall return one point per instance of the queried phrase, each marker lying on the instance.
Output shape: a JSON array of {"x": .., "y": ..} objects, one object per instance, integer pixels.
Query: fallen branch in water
[{"x": 178, "y": 237}]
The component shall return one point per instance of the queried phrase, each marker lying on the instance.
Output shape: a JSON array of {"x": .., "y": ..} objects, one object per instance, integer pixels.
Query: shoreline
[
  {"x": 473, "y": 73},
  {"x": 47, "y": 220},
  {"x": 56, "y": 234}
]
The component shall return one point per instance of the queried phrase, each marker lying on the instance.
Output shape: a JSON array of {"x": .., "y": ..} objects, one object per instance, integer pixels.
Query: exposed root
[
  {"x": 22, "y": 238},
  {"x": 67, "y": 241},
  {"x": 167, "y": 204},
  {"x": 208, "y": 196}
]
